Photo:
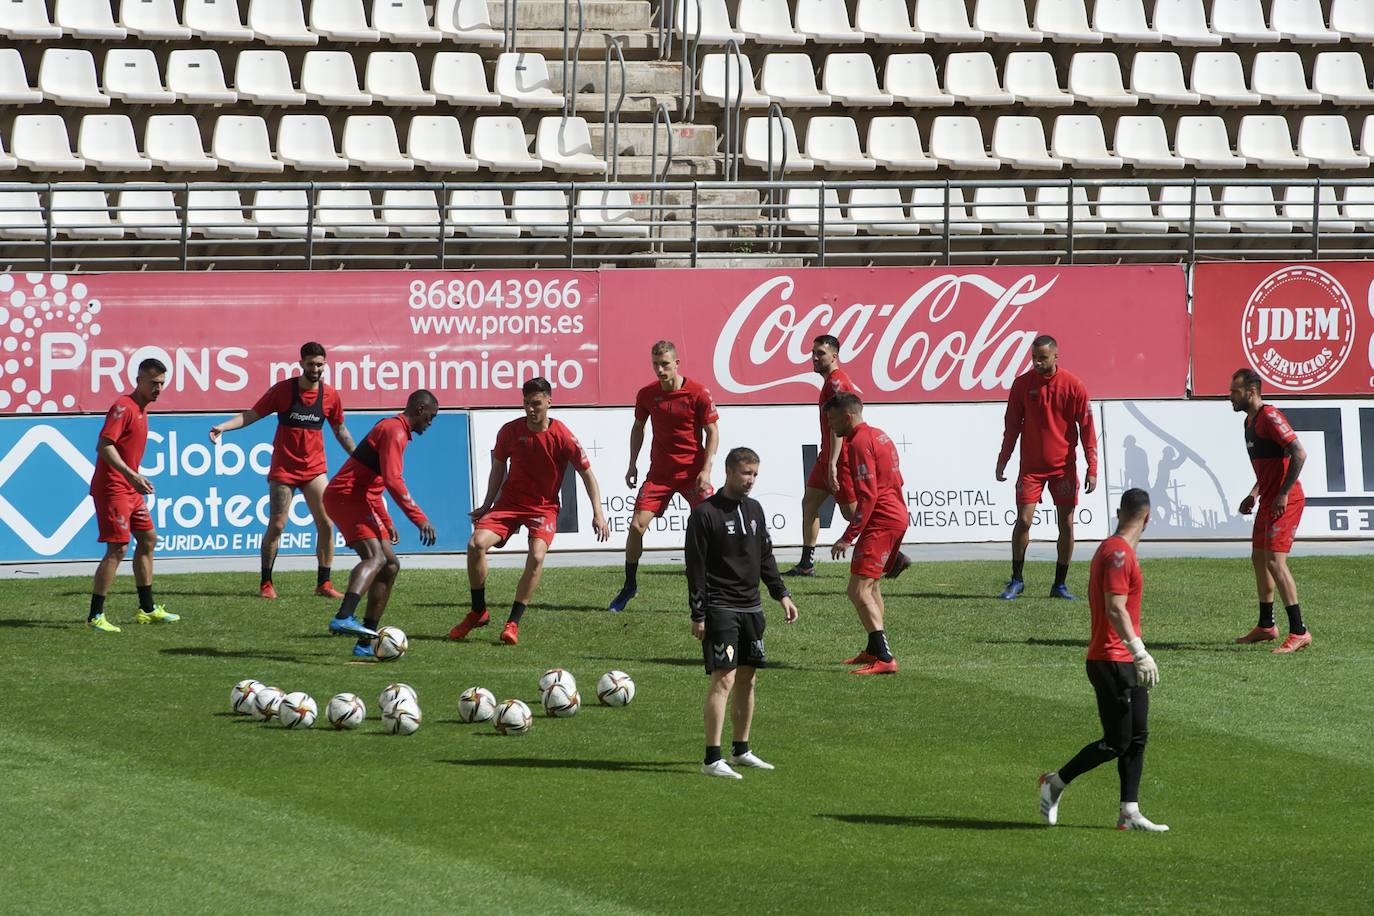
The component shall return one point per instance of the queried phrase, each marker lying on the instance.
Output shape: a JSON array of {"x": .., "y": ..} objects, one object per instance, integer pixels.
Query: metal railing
[
  {"x": 573, "y": 47},
  {"x": 610, "y": 116},
  {"x": 658, "y": 194},
  {"x": 731, "y": 110}
]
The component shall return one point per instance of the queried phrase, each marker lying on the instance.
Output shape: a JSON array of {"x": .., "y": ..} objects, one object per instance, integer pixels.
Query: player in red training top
[
  {"x": 1119, "y": 668},
  {"x": 118, "y": 490},
  {"x": 685, "y": 440},
  {"x": 354, "y": 500},
  {"x": 1048, "y": 409},
  {"x": 1277, "y": 457},
  {"x": 303, "y": 404},
  {"x": 538, "y": 450},
  {"x": 877, "y": 528}
]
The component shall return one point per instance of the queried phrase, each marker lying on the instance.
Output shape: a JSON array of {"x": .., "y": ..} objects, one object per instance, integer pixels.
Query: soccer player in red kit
[
  {"x": 685, "y": 440},
  {"x": 538, "y": 449},
  {"x": 354, "y": 501},
  {"x": 1277, "y": 457},
  {"x": 1119, "y": 668},
  {"x": 117, "y": 488},
  {"x": 1048, "y": 409},
  {"x": 303, "y": 404},
  {"x": 877, "y": 528}
]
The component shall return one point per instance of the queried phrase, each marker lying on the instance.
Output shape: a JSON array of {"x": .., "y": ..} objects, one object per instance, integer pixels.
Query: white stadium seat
[
  {"x": 1187, "y": 207},
  {"x": 522, "y": 80},
  {"x": 107, "y": 142},
  {"x": 1158, "y": 76},
  {"x": 218, "y": 214},
  {"x": 1095, "y": 78},
  {"x": 880, "y": 211},
  {"x": 131, "y": 74},
  {"x": 349, "y": 213},
  {"x": 804, "y": 213},
  {"x": 1006, "y": 211},
  {"x": 1301, "y": 21},
  {"x": 1019, "y": 141},
  {"x": 790, "y": 79},
  {"x": 1202, "y": 141},
  {"x": 7, "y": 162},
  {"x": 825, "y": 22},
  {"x": 393, "y": 78},
  {"x": 466, "y": 22},
  {"x": 1353, "y": 18},
  {"x": 607, "y": 212},
  {"x": 957, "y": 141},
  {"x": 435, "y": 142},
  {"x": 283, "y": 213},
  {"x": 173, "y": 143},
  {"x": 1340, "y": 77},
  {"x": 499, "y": 144},
  {"x": 240, "y": 142},
  {"x": 480, "y": 213},
  {"x": 1052, "y": 209},
  {"x": 1242, "y": 22},
  {"x": 460, "y": 78},
  {"x": 152, "y": 19},
  {"x": 971, "y": 77},
  {"x": 40, "y": 142},
  {"x": 565, "y": 145},
  {"x": 87, "y": 19},
  {"x": 370, "y": 142},
  {"x": 1066, "y": 22},
  {"x": 1002, "y": 20},
  {"x": 850, "y": 79},
  {"x": 21, "y": 216},
  {"x": 1129, "y": 208},
  {"x": 894, "y": 142},
  {"x": 67, "y": 76},
  {"x": 1124, "y": 21},
  {"x": 195, "y": 75},
  {"x": 14, "y": 82},
  {"x": 910, "y": 79},
  {"x": 341, "y": 20},
  {"x": 217, "y": 20},
  {"x": 83, "y": 215},
  {"x": 1079, "y": 140},
  {"x": 306, "y": 142},
  {"x": 1367, "y": 136},
  {"x": 329, "y": 77},
  {"x": 1219, "y": 78},
  {"x": 403, "y": 21},
  {"x": 732, "y": 73},
  {"x": 714, "y": 25},
  {"x": 1266, "y": 142},
  {"x": 929, "y": 207},
  {"x": 412, "y": 213},
  {"x": 1309, "y": 208},
  {"x": 28, "y": 19},
  {"x": 1184, "y": 22},
  {"x": 885, "y": 21},
  {"x": 757, "y": 133},
  {"x": 946, "y": 21},
  {"x": 1358, "y": 205},
  {"x": 832, "y": 142},
  {"x": 1031, "y": 77},
  {"x": 1143, "y": 141},
  {"x": 1325, "y": 141},
  {"x": 280, "y": 22},
  {"x": 1251, "y": 208},
  {"x": 264, "y": 77},
  {"x": 542, "y": 212},
  {"x": 1278, "y": 76},
  {"x": 768, "y": 22},
  {"x": 150, "y": 214}
]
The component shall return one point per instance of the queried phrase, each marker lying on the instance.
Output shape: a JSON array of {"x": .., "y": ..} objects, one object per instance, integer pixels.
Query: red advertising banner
[
  {"x": 906, "y": 334},
  {"x": 1307, "y": 329}
]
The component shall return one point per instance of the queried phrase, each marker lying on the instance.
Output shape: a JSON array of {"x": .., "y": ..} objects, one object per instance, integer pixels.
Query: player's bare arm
[
  {"x": 238, "y": 421},
  {"x": 603, "y": 531},
  {"x": 494, "y": 481},
  {"x": 712, "y": 443},
  {"x": 345, "y": 438},
  {"x": 107, "y": 450},
  {"x": 789, "y": 610},
  {"x": 1297, "y": 457},
  {"x": 1147, "y": 672},
  {"x": 636, "y": 443}
]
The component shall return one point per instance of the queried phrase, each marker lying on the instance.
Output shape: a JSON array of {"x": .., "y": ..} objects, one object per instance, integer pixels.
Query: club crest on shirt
[{"x": 729, "y": 526}]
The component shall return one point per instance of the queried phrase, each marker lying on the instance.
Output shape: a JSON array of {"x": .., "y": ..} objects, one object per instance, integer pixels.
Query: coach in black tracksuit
[{"x": 728, "y": 551}]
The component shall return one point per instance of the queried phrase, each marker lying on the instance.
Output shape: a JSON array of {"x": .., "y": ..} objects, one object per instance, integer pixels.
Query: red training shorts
[
  {"x": 875, "y": 551},
  {"x": 295, "y": 481},
  {"x": 1276, "y": 534},
  {"x": 654, "y": 496},
  {"x": 354, "y": 518},
  {"x": 119, "y": 513},
  {"x": 1063, "y": 488},
  {"x": 542, "y": 523},
  {"x": 820, "y": 480}
]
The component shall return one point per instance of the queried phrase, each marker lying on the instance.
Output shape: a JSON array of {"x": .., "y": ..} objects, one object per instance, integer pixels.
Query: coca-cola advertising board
[{"x": 1307, "y": 329}]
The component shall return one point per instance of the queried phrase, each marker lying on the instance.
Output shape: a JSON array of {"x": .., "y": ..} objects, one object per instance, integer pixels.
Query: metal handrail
[
  {"x": 667, "y": 9},
  {"x": 509, "y": 27},
  {"x": 610, "y": 126},
  {"x": 687, "y": 101},
  {"x": 732, "y": 109},
  {"x": 773, "y": 211},
  {"x": 570, "y": 87},
  {"x": 658, "y": 195}
]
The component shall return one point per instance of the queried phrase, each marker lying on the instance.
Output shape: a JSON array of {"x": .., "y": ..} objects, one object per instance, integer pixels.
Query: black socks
[
  {"x": 321, "y": 575},
  {"x": 1018, "y": 567},
  {"x": 1295, "y": 624},
  {"x": 1266, "y": 618},
  {"x": 877, "y": 646},
  {"x": 808, "y": 558},
  {"x": 1061, "y": 573},
  {"x": 479, "y": 600},
  {"x": 97, "y": 606},
  {"x": 349, "y": 605},
  {"x": 145, "y": 598},
  {"x": 631, "y": 573},
  {"x": 517, "y": 610}
]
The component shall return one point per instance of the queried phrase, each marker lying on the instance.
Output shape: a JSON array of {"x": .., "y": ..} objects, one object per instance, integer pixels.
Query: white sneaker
[
  {"x": 750, "y": 759},
  {"x": 1139, "y": 821},
  {"x": 1049, "y": 799},
  {"x": 719, "y": 768}
]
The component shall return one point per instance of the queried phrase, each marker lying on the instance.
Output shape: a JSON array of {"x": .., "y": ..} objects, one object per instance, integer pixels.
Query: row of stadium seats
[
  {"x": 280, "y": 22},
  {"x": 1029, "y": 78}
]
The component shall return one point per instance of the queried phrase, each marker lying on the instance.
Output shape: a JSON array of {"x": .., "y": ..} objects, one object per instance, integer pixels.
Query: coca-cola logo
[
  {"x": 921, "y": 344},
  {"x": 1298, "y": 328}
]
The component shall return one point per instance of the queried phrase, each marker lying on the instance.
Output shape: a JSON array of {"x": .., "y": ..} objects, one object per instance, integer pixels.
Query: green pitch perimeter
[{"x": 128, "y": 786}]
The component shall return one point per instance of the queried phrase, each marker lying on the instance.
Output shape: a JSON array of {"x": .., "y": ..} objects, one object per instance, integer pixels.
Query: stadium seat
[
  {"x": 195, "y": 76},
  {"x": 173, "y": 143},
  {"x": 370, "y": 143},
  {"x": 833, "y": 143},
  {"x": 1123, "y": 21},
  {"x": 1358, "y": 203},
  {"x": 885, "y": 21},
  {"x": 1005, "y": 211},
  {"x": 459, "y": 78},
  {"x": 480, "y": 213},
  {"x": 999, "y": 20},
  {"x": 1219, "y": 78},
  {"x": 895, "y": 144},
  {"x": 1052, "y": 209},
  {"x": 879, "y": 211},
  {"x": 1066, "y": 22},
  {"x": 107, "y": 142},
  {"x": 1079, "y": 140},
  {"x": 280, "y": 22},
  {"x": 1031, "y": 78},
  {"x": 341, "y": 20},
  {"x": 1310, "y": 208},
  {"x": 565, "y": 145},
  {"x": 393, "y": 78},
  {"x": 1019, "y": 141},
  {"x": 971, "y": 77},
  {"x": 957, "y": 141},
  {"x": 1367, "y": 136},
  {"x": 466, "y": 22},
  {"x": 349, "y": 213},
  {"x": 217, "y": 215},
  {"x": 1340, "y": 77},
  {"x": 1202, "y": 141},
  {"x": 1142, "y": 141},
  {"x": 1188, "y": 207},
  {"x": 240, "y": 142},
  {"x": 306, "y": 142},
  {"x": 152, "y": 19},
  {"x": 1129, "y": 208},
  {"x": 910, "y": 80},
  {"x": 1301, "y": 21},
  {"x": 1095, "y": 78},
  {"x": 542, "y": 212},
  {"x": 403, "y": 21},
  {"x": 83, "y": 215},
  {"x": 217, "y": 20},
  {"x": 1266, "y": 142},
  {"x": 1242, "y": 22},
  {"x": 522, "y": 80},
  {"x": 7, "y": 162},
  {"x": 148, "y": 214},
  {"x": 14, "y": 82},
  {"x": 87, "y": 19},
  {"x": 945, "y": 21},
  {"x": 714, "y": 25},
  {"x": 851, "y": 80},
  {"x": 825, "y": 22},
  {"x": 1184, "y": 22},
  {"x": 412, "y": 213},
  {"x": 1278, "y": 76},
  {"x": 722, "y": 73},
  {"x": 25, "y": 19},
  {"x": 1158, "y": 76},
  {"x": 785, "y": 154},
  {"x": 607, "y": 212},
  {"x": 21, "y": 216},
  {"x": 929, "y": 207},
  {"x": 328, "y": 77},
  {"x": 1251, "y": 208},
  {"x": 40, "y": 142},
  {"x": 804, "y": 213},
  {"x": 435, "y": 142},
  {"x": 498, "y": 143},
  {"x": 264, "y": 77},
  {"x": 67, "y": 76},
  {"x": 1354, "y": 19},
  {"x": 790, "y": 80},
  {"x": 131, "y": 74},
  {"x": 1324, "y": 140},
  {"x": 768, "y": 22},
  {"x": 283, "y": 213}
]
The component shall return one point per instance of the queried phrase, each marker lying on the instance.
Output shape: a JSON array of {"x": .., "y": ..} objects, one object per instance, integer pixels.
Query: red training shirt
[
  {"x": 1265, "y": 439},
  {"x": 537, "y": 463},
  {"x": 837, "y": 382},
  {"x": 1114, "y": 570},
  {"x": 126, "y": 425},
  {"x": 877, "y": 477},
  {"x": 298, "y": 448},
  {"x": 1049, "y": 415},
  {"x": 679, "y": 420},
  {"x": 377, "y": 462}
]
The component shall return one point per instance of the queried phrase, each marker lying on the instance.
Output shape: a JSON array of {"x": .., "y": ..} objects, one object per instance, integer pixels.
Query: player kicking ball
[
  {"x": 354, "y": 501},
  {"x": 527, "y": 468}
]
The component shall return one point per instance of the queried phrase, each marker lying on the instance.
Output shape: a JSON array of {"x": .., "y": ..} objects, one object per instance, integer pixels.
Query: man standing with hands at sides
[
  {"x": 1119, "y": 668},
  {"x": 303, "y": 404},
  {"x": 876, "y": 531},
  {"x": 1277, "y": 457},
  {"x": 728, "y": 550},
  {"x": 1048, "y": 409},
  {"x": 685, "y": 440},
  {"x": 354, "y": 500},
  {"x": 118, "y": 489},
  {"x": 538, "y": 449}
]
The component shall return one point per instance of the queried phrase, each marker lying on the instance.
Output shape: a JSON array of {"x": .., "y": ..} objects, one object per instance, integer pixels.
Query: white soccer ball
[
  {"x": 513, "y": 718},
  {"x": 476, "y": 704},
  {"x": 616, "y": 688},
  {"x": 394, "y": 692},
  {"x": 298, "y": 710},
  {"x": 560, "y": 702},
  {"x": 390, "y": 643},
  {"x": 266, "y": 702},
  {"x": 346, "y": 711},
  {"x": 241, "y": 697},
  {"x": 403, "y": 718},
  {"x": 560, "y": 676}
]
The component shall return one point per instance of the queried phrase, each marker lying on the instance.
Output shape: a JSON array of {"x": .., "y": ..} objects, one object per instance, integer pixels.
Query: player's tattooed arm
[
  {"x": 238, "y": 421},
  {"x": 1297, "y": 457},
  {"x": 345, "y": 437}
]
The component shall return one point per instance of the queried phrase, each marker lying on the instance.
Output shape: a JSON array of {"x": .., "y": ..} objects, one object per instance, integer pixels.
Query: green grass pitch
[{"x": 129, "y": 787}]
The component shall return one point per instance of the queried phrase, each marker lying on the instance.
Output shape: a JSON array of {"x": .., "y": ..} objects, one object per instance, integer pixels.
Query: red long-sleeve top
[
  {"x": 877, "y": 474},
  {"x": 378, "y": 462},
  {"x": 1049, "y": 415}
]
